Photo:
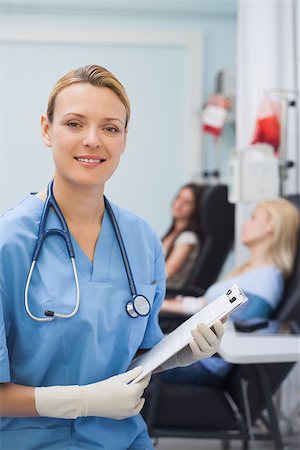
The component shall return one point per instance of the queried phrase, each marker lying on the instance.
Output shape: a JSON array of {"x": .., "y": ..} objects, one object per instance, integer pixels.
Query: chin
[{"x": 85, "y": 182}]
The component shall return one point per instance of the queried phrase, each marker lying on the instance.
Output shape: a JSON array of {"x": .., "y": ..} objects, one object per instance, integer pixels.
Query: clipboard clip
[{"x": 231, "y": 296}]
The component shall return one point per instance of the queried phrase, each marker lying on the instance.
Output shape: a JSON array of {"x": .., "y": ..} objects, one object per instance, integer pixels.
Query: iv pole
[{"x": 284, "y": 164}]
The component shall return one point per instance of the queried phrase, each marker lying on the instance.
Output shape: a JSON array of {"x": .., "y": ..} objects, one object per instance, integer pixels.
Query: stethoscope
[{"x": 138, "y": 305}]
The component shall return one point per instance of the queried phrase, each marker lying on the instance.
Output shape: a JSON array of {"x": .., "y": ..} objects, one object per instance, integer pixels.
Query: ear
[
  {"x": 46, "y": 130},
  {"x": 270, "y": 228}
]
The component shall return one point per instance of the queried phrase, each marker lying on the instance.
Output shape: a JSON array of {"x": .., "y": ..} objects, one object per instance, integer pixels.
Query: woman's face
[
  {"x": 184, "y": 204},
  {"x": 257, "y": 228},
  {"x": 87, "y": 134}
]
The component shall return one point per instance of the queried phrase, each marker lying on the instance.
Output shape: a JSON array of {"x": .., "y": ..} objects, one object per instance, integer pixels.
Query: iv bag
[{"x": 254, "y": 174}]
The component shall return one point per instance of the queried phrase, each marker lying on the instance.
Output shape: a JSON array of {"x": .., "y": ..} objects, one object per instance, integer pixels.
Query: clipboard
[{"x": 181, "y": 336}]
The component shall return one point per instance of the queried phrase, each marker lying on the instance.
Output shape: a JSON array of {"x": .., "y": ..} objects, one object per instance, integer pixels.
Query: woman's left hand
[{"x": 205, "y": 343}]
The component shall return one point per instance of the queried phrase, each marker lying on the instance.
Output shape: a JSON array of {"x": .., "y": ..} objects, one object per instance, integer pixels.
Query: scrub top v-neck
[
  {"x": 97, "y": 343},
  {"x": 98, "y": 269}
]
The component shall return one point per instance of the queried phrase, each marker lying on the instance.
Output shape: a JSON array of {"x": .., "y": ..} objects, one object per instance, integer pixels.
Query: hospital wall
[{"x": 166, "y": 55}]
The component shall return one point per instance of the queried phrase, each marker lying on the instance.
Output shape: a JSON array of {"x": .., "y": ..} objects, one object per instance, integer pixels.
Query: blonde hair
[
  {"x": 96, "y": 76},
  {"x": 285, "y": 219}
]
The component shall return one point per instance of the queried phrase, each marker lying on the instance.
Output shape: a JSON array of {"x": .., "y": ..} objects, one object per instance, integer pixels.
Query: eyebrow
[{"x": 83, "y": 116}]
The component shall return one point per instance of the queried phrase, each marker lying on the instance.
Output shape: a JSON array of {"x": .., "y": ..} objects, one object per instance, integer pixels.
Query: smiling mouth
[{"x": 90, "y": 160}]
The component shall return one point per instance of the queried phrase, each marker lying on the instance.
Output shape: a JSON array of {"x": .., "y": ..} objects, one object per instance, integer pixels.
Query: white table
[
  {"x": 247, "y": 348},
  {"x": 251, "y": 348}
]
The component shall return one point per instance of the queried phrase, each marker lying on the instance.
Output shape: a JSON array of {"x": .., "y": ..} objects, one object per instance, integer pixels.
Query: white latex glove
[
  {"x": 205, "y": 343},
  {"x": 112, "y": 398}
]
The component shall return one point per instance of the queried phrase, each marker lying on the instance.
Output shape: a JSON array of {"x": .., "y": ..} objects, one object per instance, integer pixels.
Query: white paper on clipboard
[{"x": 181, "y": 336}]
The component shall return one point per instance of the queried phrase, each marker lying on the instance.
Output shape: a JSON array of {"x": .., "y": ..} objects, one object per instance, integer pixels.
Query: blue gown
[
  {"x": 264, "y": 288},
  {"x": 98, "y": 342}
]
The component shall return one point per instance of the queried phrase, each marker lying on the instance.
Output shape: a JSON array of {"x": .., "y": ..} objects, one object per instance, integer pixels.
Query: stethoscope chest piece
[{"x": 139, "y": 306}]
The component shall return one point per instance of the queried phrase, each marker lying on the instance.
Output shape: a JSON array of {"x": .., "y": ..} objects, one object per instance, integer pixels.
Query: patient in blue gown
[{"x": 270, "y": 235}]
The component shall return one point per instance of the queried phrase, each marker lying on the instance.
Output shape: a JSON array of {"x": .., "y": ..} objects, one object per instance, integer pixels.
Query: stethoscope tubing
[
  {"x": 52, "y": 314},
  {"x": 42, "y": 235},
  {"x": 122, "y": 248},
  {"x": 134, "y": 308}
]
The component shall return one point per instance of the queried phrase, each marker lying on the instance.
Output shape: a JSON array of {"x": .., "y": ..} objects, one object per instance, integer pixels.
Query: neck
[
  {"x": 260, "y": 256},
  {"x": 79, "y": 205},
  {"x": 180, "y": 224}
]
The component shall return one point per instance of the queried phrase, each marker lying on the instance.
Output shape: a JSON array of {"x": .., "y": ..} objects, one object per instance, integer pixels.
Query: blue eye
[
  {"x": 111, "y": 129},
  {"x": 73, "y": 124}
]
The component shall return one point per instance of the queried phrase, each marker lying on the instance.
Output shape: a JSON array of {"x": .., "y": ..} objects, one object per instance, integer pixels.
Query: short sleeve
[
  {"x": 4, "y": 361},
  {"x": 187, "y": 237},
  {"x": 153, "y": 333}
]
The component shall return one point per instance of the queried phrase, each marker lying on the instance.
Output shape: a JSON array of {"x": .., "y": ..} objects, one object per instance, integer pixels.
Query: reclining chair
[{"x": 231, "y": 411}]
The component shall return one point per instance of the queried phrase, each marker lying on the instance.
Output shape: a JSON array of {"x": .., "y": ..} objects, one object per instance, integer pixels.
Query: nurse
[{"x": 64, "y": 383}]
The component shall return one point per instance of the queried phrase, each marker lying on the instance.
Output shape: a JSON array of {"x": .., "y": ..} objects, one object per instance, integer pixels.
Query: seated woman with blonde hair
[{"x": 271, "y": 237}]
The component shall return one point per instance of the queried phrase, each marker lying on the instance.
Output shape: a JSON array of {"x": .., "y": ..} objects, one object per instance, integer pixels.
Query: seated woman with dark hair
[
  {"x": 271, "y": 236},
  {"x": 182, "y": 241}
]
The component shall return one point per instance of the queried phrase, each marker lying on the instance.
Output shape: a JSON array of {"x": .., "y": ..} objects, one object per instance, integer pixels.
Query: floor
[{"x": 290, "y": 443}]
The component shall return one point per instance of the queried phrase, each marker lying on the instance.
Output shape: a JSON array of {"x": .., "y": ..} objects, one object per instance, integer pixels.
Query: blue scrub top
[{"x": 98, "y": 342}]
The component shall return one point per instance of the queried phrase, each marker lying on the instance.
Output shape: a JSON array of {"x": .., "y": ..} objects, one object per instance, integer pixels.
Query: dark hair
[{"x": 195, "y": 222}]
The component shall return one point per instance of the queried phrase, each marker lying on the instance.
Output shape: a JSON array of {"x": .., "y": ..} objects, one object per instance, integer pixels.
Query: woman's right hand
[{"x": 114, "y": 398}]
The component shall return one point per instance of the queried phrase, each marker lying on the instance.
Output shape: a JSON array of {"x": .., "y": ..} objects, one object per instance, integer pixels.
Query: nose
[{"x": 92, "y": 138}]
